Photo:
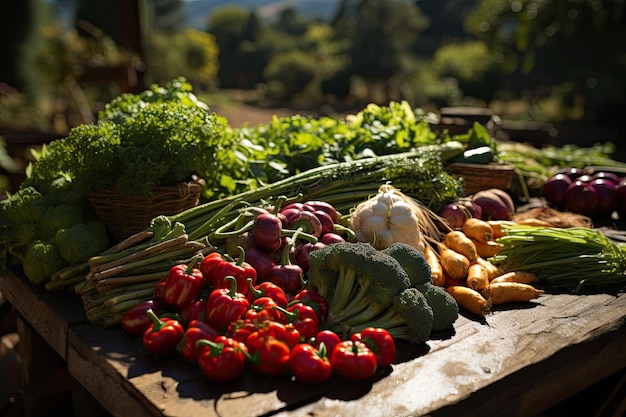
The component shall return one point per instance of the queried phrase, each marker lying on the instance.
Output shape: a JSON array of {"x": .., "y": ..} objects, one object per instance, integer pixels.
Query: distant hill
[{"x": 198, "y": 11}]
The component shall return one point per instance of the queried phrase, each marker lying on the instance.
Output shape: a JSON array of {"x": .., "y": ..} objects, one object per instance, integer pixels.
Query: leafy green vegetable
[{"x": 77, "y": 244}]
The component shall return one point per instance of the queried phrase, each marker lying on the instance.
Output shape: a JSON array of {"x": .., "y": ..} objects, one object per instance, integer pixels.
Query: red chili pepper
[
  {"x": 329, "y": 338},
  {"x": 194, "y": 311},
  {"x": 267, "y": 289},
  {"x": 225, "y": 305},
  {"x": 208, "y": 265},
  {"x": 239, "y": 269},
  {"x": 380, "y": 342},
  {"x": 309, "y": 364},
  {"x": 163, "y": 336},
  {"x": 184, "y": 283},
  {"x": 197, "y": 330},
  {"x": 269, "y": 356},
  {"x": 303, "y": 317},
  {"x": 135, "y": 321},
  {"x": 223, "y": 359},
  {"x": 313, "y": 299},
  {"x": 353, "y": 360}
]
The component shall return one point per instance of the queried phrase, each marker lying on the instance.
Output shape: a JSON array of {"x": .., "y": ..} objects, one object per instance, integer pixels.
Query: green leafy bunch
[{"x": 159, "y": 137}]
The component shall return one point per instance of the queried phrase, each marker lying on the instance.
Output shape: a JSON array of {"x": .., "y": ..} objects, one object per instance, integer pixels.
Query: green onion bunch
[{"x": 575, "y": 259}]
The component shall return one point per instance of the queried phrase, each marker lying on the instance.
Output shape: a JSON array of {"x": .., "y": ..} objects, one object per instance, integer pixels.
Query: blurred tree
[
  {"x": 289, "y": 73},
  {"x": 446, "y": 24},
  {"x": 382, "y": 34},
  {"x": 581, "y": 42},
  {"x": 228, "y": 24},
  {"x": 21, "y": 41}
]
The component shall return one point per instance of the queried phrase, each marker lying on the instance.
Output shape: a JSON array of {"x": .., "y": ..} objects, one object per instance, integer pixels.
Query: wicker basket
[
  {"x": 126, "y": 215},
  {"x": 477, "y": 177}
]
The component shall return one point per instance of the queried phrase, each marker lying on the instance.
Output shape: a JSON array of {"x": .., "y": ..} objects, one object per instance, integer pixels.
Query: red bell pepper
[
  {"x": 309, "y": 364},
  {"x": 135, "y": 321},
  {"x": 315, "y": 300},
  {"x": 225, "y": 305},
  {"x": 380, "y": 342},
  {"x": 269, "y": 356},
  {"x": 184, "y": 283},
  {"x": 208, "y": 265},
  {"x": 223, "y": 359},
  {"x": 287, "y": 333},
  {"x": 267, "y": 289},
  {"x": 194, "y": 311},
  {"x": 158, "y": 295},
  {"x": 266, "y": 309},
  {"x": 303, "y": 317},
  {"x": 163, "y": 336},
  {"x": 196, "y": 330},
  {"x": 328, "y": 338},
  {"x": 239, "y": 269},
  {"x": 353, "y": 360},
  {"x": 241, "y": 329}
]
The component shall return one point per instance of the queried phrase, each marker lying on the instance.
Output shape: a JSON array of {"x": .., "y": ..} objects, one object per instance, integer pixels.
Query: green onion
[{"x": 575, "y": 259}]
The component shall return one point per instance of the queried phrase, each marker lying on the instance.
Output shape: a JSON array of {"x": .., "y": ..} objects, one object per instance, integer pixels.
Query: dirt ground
[{"x": 242, "y": 114}]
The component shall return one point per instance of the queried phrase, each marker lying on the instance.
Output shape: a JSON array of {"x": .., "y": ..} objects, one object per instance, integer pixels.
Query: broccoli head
[
  {"x": 358, "y": 281},
  {"x": 409, "y": 318},
  {"x": 444, "y": 306},
  {"x": 412, "y": 260},
  {"x": 59, "y": 217},
  {"x": 41, "y": 260},
  {"x": 77, "y": 244}
]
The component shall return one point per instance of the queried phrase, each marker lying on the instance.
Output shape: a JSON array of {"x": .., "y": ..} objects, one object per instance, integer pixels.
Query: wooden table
[{"x": 517, "y": 362}]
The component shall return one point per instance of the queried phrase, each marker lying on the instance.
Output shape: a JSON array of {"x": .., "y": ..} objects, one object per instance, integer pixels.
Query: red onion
[
  {"x": 581, "y": 198},
  {"x": 607, "y": 196},
  {"x": 455, "y": 214},
  {"x": 554, "y": 190}
]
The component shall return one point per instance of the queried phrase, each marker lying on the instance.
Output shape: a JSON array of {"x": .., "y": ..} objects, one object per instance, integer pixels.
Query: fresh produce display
[{"x": 320, "y": 244}]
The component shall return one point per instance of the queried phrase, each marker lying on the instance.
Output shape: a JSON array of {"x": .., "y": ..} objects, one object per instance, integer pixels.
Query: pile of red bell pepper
[{"x": 212, "y": 312}]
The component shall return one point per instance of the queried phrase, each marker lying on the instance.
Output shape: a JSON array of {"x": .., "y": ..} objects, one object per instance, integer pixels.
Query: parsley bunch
[{"x": 140, "y": 141}]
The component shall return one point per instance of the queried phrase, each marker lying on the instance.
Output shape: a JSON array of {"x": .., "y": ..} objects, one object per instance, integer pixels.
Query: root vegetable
[
  {"x": 469, "y": 299},
  {"x": 534, "y": 222},
  {"x": 454, "y": 263},
  {"x": 460, "y": 243},
  {"x": 511, "y": 292},
  {"x": 497, "y": 227},
  {"x": 492, "y": 270},
  {"x": 487, "y": 249},
  {"x": 436, "y": 271},
  {"x": 477, "y": 229},
  {"x": 522, "y": 277},
  {"x": 477, "y": 277}
]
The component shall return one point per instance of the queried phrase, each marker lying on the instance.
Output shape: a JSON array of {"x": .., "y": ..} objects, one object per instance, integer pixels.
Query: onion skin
[
  {"x": 607, "y": 196},
  {"x": 555, "y": 188},
  {"x": 496, "y": 204},
  {"x": 582, "y": 198},
  {"x": 455, "y": 214}
]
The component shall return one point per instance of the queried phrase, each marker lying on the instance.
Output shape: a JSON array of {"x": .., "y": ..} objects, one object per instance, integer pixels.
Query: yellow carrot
[
  {"x": 477, "y": 229},
  {"x": 487, "y": 249},
  {"x": 458, "y": 242},
  {"x": 477, "y": 277},
  {"x": 469, "y": 299},
  {"x": 454, "y": 263},
  {"x": 522, "y": 277},
  {"x": 436, "y": 271},
  {"x": 496, "y": 227},
  {"x": 492, "y": 270},
  {"x": 511, "y": 292}
]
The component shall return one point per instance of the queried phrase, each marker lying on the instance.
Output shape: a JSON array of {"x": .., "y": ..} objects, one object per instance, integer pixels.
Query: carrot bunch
[{"x": 461, "y": 265}]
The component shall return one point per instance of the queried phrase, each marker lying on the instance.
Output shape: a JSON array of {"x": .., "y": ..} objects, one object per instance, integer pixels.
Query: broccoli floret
[
  {"x": 412, "y": 260},
  {"x": 445, "y": 308},
  {"x": 59, "y": 217},
  {"x": 77, "y": 244},
  {"x": 358, "y": 281},
  {"x": 41, "y": 260},
  {"x": 409, "y": 318}
]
